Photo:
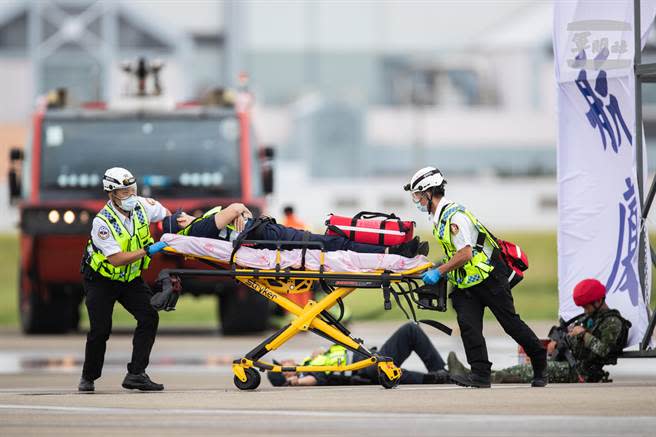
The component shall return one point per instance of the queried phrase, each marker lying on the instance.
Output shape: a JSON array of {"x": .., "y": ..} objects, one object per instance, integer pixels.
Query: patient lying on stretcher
[{"x": 234, "y": 221}]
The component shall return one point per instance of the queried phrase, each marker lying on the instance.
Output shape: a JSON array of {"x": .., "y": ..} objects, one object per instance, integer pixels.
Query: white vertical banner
[{"x": 598, "y": 204}]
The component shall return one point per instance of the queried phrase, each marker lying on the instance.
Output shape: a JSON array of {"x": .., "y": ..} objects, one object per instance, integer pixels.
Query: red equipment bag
[
  {"x": 371, "y": 228},
  {"x": 515, "y": 259}
]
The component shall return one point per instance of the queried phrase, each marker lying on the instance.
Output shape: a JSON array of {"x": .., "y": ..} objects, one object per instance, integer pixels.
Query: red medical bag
[
  {"x": 515, "y": 259},
  {"x": 371, "y": 228}
]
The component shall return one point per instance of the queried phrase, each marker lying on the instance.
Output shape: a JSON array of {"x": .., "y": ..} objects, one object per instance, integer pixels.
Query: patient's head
[
  {"x": 278, "y": 379},
  {"x": 170, "y": 223}
]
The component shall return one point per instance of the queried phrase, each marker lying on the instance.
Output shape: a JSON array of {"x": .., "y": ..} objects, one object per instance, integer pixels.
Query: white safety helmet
[
  {"x": 117, "y": 178},
  {"x": 424, "y": 179}
]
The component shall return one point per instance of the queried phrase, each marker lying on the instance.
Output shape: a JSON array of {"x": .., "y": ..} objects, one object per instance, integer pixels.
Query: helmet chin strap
[
  {"x": 598, "y": 307},
  {"x": 430, "y": 203}
]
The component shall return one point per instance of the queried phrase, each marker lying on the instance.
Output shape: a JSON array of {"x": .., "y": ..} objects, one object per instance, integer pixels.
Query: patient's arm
[
  {"x": 184, "y": 220},
  {"x": 230, "y": 214},
  {"x": 302, "y": 380}
]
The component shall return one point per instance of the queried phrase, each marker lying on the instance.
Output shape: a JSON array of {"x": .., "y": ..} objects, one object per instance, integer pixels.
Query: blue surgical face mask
[
  {"x": 130, "y": 203},
  {"x": 420, "y": 207}
]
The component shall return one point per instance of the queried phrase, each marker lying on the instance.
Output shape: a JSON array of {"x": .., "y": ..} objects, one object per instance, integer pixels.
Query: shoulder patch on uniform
[
  {"x": 103, "y": 233},
  {"x": 454, "y": 229},
  {"x": 151, "y": 201}
]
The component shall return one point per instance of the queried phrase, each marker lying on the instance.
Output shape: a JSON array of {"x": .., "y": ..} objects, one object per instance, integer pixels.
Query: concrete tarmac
[{"x": 38, "y": 379}]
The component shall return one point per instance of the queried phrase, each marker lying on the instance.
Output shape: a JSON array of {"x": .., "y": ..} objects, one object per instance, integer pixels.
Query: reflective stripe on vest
[
  {"x": 140, "y": 238},
  {"x": 224, "y": 234},
  {"x": 336, "y": 355},
  {"x": 478, "y": 268}
]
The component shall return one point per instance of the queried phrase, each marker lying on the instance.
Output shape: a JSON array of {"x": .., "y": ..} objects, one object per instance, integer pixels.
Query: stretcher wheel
[
  {"x": 252, "y": 380},
  {"x": 386, "y": 382}
]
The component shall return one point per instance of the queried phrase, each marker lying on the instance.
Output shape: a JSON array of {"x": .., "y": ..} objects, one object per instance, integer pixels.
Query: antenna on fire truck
[{"x": 141, "y": 70}]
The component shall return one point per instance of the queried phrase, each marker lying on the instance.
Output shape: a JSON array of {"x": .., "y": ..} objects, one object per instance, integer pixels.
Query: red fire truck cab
[{"x": 188, "y": 156}]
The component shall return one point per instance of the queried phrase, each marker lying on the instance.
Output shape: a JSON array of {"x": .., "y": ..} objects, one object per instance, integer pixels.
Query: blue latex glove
[
  {"x": 156, "y": 247},
  {"x": 431, "y": 277}
]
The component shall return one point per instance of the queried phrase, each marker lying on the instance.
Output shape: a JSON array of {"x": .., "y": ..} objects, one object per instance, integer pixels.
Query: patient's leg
[
  {"x": 204, "y": 228},
  {"x": 274, "y": 231}
]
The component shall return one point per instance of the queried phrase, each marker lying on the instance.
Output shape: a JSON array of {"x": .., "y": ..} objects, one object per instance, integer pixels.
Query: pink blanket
[{"x": 340, "y": 261}]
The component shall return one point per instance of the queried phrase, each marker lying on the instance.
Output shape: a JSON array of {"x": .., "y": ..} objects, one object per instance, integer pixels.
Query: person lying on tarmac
[
  {"x": 228, "y": 223},
  {"x": 595, "y": 340},
  {"x": 407, "y": 339}
]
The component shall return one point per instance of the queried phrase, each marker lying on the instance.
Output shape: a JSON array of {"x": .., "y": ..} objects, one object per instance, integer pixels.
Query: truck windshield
[{"x": 170, "y": 157}]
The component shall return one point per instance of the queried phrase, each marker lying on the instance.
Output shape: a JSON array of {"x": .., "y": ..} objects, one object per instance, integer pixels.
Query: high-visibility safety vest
[
  {"x": 139, "y": 239},
  {"x": 334, "y": 356},
  {"x": 224, "y": 234},
  {"x": 478, "y": 268}
]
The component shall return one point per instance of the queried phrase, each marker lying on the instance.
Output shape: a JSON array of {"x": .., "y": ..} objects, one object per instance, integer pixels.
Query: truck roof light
[
  {"x": 69, "y": 217},
  {"x": 53, "y": 216},
  {"x": 84, "y": 217},
  {"x": 57, "y": 98}
]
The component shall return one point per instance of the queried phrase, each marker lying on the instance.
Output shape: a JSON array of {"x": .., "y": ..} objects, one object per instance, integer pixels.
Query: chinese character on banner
[
  {"x": 603, "y": 106},
  {"x": 623, "y": 277}
]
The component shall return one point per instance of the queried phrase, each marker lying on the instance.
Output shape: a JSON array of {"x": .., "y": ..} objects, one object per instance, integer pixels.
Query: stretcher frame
[{"x": 314, "y": 317}]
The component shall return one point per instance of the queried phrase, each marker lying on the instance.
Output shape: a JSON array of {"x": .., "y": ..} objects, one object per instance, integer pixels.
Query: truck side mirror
[
  {"x": 267, "y": 179},
  {"x": 15, "y": 154},
  {"x": 267, "y": 154},
  {"x": 15, "y": 165}
]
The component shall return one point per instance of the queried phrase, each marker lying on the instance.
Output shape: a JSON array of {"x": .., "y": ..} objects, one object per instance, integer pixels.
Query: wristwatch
[{"x": 146, "y": 247}]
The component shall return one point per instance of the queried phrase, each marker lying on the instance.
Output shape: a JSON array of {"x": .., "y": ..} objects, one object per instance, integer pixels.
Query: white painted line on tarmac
[
  {"x": 485, "y": 418},
  {"x": 160, "y": 411},
  {"x": 29, "y": 390}
]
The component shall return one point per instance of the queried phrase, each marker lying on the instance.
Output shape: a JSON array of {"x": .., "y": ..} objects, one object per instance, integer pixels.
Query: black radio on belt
[{"x": 432, "y": 297}]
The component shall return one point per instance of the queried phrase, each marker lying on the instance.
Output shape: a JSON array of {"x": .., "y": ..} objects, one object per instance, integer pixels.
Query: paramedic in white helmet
[
  {"x": 473, "y": 265},
  {"x": 118, "y": 251}
]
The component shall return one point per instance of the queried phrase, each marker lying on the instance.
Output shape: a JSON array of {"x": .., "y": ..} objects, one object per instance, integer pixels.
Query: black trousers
[
  {"x": 407, "y": 339},
  {"x": 470, "y": 304},
  {"x": 101, "y": 294}
]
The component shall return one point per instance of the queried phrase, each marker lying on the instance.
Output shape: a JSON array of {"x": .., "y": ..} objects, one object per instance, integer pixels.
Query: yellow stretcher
[{"x": 275, "y": 284}]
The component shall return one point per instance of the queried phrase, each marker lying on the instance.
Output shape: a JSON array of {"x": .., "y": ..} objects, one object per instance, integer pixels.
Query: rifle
[{"x": 559, "y": 334}]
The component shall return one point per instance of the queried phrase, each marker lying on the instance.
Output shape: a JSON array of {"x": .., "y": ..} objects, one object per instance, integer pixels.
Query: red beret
[{"x": 588, "y": 291}]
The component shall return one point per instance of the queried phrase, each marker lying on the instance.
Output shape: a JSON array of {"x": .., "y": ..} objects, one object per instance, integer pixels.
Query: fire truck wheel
[
  {"x": 242, "y": 311},
  {"x": 44, "y": 315},
  {"x": 77, "y": 296}
]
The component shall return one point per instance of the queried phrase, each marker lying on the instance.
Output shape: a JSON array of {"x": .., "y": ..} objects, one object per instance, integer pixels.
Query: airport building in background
[{"x": 352, "y": 94}]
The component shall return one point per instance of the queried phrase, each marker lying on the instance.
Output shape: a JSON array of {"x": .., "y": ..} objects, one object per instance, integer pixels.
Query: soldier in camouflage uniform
[{"x": 594, "y": 341}]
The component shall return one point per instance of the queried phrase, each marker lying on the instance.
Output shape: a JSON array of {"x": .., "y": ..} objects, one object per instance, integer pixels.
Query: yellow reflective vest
[
  {"x": 139, "y": 239},
  {"x": 478, "y": 268},
  {"x": 334, "y": 356},
  {"x": 224, "y": 234}
]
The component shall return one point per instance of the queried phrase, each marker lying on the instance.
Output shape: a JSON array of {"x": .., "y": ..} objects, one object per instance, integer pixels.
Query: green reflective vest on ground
[
  {"x": 335, "y": 355},
  {"x": 140, "y": 238},
  {"x": 224, "y": 234},
  {"x": 479, "y": 266}
]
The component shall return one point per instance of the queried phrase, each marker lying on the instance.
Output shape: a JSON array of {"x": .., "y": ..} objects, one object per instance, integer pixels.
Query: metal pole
[
  {"x": 637, "y": 60},
  {"x": 34, "y": 41},
  {"x": 234, "y": 27},
  {"x": 110, "y": 44}
]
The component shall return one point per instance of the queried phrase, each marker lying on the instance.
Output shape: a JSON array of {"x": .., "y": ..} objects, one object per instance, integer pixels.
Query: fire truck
[{"x": 192, "y": 155}]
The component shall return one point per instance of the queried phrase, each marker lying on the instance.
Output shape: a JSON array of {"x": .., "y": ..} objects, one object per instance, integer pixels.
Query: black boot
[
  {"x": 86, "y": 385},
  {"x": 471, "y": 380},
  {"x": 140, "y": 382},
  {"x": 540, "y": 377},
  {"x": 437, "y": 377}
]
